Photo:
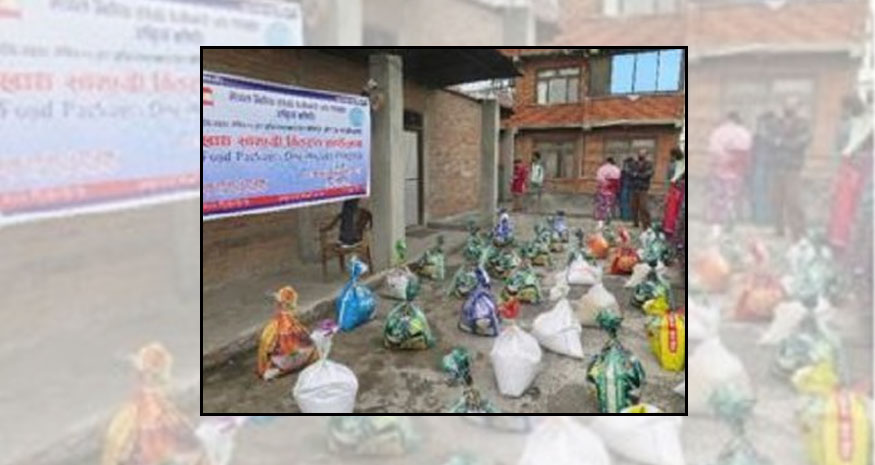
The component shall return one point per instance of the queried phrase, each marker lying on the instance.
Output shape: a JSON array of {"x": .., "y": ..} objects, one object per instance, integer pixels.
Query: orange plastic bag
[
  {"x": 285, "y": 344},
  {"x": 598, "y": 245},
  {"x": 149, "y": 429},
  {"x": 712, "y": 270},
  {"x": 762, "y": 292}
]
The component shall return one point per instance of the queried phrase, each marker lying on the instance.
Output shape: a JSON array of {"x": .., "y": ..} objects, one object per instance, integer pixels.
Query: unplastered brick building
[{"x": 577, "y": 107}]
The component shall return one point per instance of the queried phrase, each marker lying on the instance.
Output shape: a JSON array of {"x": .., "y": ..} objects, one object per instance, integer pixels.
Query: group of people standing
[{"x": 760, "y": 170}]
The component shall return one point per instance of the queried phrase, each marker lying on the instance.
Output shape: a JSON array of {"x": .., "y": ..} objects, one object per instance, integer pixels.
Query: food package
[
  {"x": 463, "y": 282},
  {"x": 502, "y": 263},
  {"x": 640, "y": 272},
  {"x": 216, "y": 434},
  {"x": 714, "y": 367},
  {"x": 615, "y": 374},
  {"x": 516, "y": 357},
  {"x": 474, "y": 244},
  {"x": 761, "y": 293},
  {"x": 509, "y": 423},
  {"x": 537, "y": 251},
  {"x": 705, "y": 322},
  {"x": 623, "y": 260},
  {"x": 652, "y": 287},
  {"x": 598, "y": 246},
  {"x": 523, "y": 284},
  {"x": 560, "y": 440},
  {"x": 502, "y": 235},
  {"x": 583, "y": 273},
  {"x": 787, "y": 317},
  {"x": 596, "y": 299},
  {"x": 712, "y": 270},
  {"x": 431, "y": 264},
  {"x": 812, "y": 272},
  {"x": 657, "y": 306},
  {"x": 654, "y": 246},
  {"x": 480, "y": 312},
  {"x": 559, "y": 225},
  {"x": 554, "y": 236},
  {"x": 808, "y": 344},
  {"x": 560, "y": 287},
  {"x": 284, "y": 345},
  {"x": 834, "y": 418},
  {"x": 325, "y": 386},
  {"x": 457, "y": 364},
  {"x": 558, "y": 330},
  {"x": 398, "y": 277},
  {"x": 356, "y": 303},
  {"x": 733, "y": 407},
  {"x": 648, "y": 440},
  {"x": 375, "y": 436},
  {"x": 406, "y": 326},
  {"x": 667, "y": 340},
  {"x": 149, "y": 428},
  {"x": 681, "y": 389}
]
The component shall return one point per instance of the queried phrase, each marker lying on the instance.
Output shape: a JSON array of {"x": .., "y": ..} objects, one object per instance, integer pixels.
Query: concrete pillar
[
  {"x": 519, "y": 26},
  {"x": 307, "y": 233},
  {"x": 489, "y": 161},
  {"x": 338, "y": 22},
  {"x": 387, "y": 159},
  {"x": 185, "y": 251},
  {"x": 507, "y": 145}
]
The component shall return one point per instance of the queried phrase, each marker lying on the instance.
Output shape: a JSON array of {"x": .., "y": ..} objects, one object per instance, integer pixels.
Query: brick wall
[{"x": 452, "y": 131}]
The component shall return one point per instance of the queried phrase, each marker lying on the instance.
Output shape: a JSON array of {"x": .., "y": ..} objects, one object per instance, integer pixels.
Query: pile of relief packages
[
  {"x": 790, "y": 302},
  {"x": 501, "y": 277}
]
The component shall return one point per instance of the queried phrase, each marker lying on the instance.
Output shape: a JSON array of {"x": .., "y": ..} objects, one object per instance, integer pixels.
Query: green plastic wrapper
[
  {"x": 406, "y": 326},
  {"x": 457, "y": 364},
  {"x": 523, "y": 284},
  {"x": 432, "y": 263},
  {"x": 372, "y": 435},
  {"x": 808, "y": 345},
  {"x": 733, "y": 408},
  {"x": 505, "y": 423},
  {"x": 503, "y": 262},
  {"x": 463, "y": 282},
  {"x": 615, "y": 373},
  {"x": 652, "y": 287},
  {"x": 537, "y": 251},
  {"x": 655, "y": 247},
  {"x": 475, "y": 243}
]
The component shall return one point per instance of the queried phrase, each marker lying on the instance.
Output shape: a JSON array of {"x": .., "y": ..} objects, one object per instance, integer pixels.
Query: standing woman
[
  {"x": 607, "y": 186},
  {"x": 625, "y": 191},
  {"x": 674, "y": 199},
  {"x": 518, "y": 183}
]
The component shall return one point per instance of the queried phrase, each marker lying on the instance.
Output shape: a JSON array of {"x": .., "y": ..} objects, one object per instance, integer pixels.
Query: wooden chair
[{"x": 331, "y": 247}]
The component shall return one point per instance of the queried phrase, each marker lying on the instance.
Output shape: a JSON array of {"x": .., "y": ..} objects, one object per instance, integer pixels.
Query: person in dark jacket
[
  {"x": 642, "y": 173},
  {"x": 625, "y": 202}
]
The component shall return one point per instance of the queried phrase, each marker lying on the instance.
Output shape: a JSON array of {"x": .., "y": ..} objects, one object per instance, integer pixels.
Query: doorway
[{"x": 411, "y": 143}]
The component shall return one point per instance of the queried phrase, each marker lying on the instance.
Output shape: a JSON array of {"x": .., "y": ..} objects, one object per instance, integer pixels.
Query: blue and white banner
[{"x": 269, "y": 147}]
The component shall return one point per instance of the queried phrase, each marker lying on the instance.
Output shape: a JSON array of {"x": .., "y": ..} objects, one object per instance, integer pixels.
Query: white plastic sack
[
  {"x": 562, "y": 441},
  {"x": 516, "y": 357},
  {"x": 713, "y": 366},
  {"x": 639, "y": 274},
  {"x": 558, "y": 330},
  {"x": 396, "y": 282},
  {"x": 787, "y": 317},
  {"x": 582, "y": 273},
  {"x": 325, "y": 386},
  {"x": 596, "y": 299},
  {"x": 681, "y": 389},
  {"x": 703, "y": 321},
  {"x": 216, "y": 434},
  {"x": 560, "y": 289},
  {"x": 650, "y": 440}
]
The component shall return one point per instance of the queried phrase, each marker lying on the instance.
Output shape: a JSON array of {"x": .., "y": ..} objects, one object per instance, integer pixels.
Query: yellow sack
[
  {"x": 641, "y": 408},
  {"x": 839, "y": 433},
  {"x": 658, "y": 306},
  {"x": 667, "y": 334}
]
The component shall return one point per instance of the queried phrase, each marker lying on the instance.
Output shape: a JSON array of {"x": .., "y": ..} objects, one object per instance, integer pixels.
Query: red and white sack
[{"x": 516, "y": 358}]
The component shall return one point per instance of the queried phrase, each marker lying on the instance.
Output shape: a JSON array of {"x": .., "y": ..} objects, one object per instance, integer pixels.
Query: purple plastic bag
[{"x": 480, "y": 312}]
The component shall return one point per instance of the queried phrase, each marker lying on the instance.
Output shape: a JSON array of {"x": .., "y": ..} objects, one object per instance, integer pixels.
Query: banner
[
  {"x": 98, "y": 98},
  {"x": 269, "y": 147}
]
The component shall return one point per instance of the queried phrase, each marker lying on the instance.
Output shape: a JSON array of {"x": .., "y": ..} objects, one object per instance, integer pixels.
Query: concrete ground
[{"x": 395, "y": 382}]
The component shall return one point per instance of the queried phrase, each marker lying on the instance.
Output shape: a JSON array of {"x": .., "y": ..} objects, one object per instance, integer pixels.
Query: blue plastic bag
[
  {"x": 357, "y": 303},
  {"x": 480, "y": 312}
]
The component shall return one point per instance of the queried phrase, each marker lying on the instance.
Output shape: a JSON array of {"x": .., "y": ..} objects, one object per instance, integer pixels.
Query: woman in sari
[
  {"x": 675, "y": 197},
  {"x": 729, "y": 148},
  {"x": 607, "y": 186}
]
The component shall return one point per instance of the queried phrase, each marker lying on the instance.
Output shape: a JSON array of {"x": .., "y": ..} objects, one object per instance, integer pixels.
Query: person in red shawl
[
  {"x": 674, "y": 200},
  {"x": 518, "y": 183}
]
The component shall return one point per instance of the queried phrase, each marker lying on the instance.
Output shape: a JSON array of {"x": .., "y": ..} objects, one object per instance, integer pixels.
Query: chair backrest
[{"x": 364, "y": 221}]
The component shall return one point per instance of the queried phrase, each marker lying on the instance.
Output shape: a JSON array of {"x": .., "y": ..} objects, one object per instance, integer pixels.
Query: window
[
  {"x": 621, "y": 148},
  {"x": 647, "y": 72},
  {"x": 752, "y": 97},
  {"x": 638, "y": 7},
  {"x": 558, "y": 86},
  {"x": 558, "y": 159}
]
